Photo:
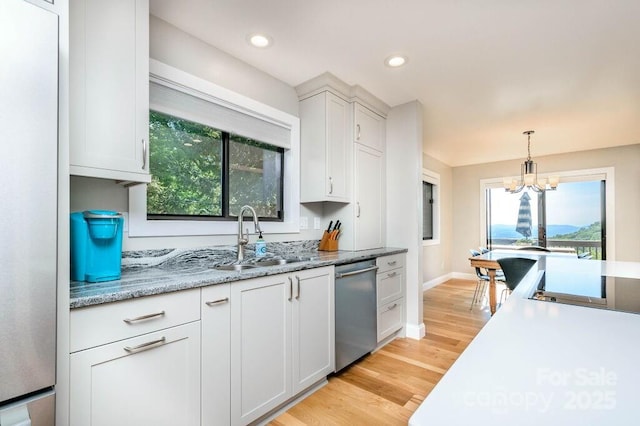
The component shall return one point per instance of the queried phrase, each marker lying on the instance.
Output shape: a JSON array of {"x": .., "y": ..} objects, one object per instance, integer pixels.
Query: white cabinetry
[
  {"x": 324, "y": 152},
  {"x": 369, "y": 127},
  {"x": 109, "y": 89},
  {"x": 216, "y": 352},
  {"x": 282, "y": 340},
  {"x": 369, "y": 218},
  {"x": 390, "y": 293},
  {"x": 136, "y": 362}
]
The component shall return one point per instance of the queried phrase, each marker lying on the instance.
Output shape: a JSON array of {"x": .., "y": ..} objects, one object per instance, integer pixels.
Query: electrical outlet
[
  {"x": 304, "y": 222},
  {"x": 316, "y": 223}
]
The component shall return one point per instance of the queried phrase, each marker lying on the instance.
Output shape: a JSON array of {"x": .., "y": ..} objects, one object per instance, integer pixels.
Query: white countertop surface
[{"x": 542, "y": 363}]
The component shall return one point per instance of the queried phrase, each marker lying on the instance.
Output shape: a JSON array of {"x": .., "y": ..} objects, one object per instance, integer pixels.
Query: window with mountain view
[{"x": 572, "y": 217}]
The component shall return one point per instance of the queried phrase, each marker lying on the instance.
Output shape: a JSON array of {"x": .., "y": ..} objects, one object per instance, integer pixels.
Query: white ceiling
[{"x": 485, "y": 71}]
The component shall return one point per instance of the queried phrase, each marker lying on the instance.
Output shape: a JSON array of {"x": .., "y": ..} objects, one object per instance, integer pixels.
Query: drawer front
[
  {"x": 96, "y": 325},
  {"x": 390, "y": 318},
  {"x": 390, "y": 286},
  {"x": 387, "y": 263}
]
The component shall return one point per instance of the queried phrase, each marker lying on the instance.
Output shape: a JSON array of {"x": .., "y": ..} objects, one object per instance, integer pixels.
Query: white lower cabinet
[
  {"x": 153, "y": 379},
  {"x": 282, "y": 340},
  {"x": 216, "y": 352},
  {"x": 390, "y": 283}
]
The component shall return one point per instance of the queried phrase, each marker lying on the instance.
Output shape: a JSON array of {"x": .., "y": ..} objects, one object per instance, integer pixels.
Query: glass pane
[
  {"x": 574, "y": 217},
  {"x": 255, "y": 177},
  {"x": 513, "y": 218},
  {"x": 427, "y": 211},
  {"x": 185, "y": 159}
]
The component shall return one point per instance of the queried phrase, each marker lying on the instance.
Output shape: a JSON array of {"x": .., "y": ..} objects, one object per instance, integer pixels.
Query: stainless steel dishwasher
[{"x": 355, "y": 308}]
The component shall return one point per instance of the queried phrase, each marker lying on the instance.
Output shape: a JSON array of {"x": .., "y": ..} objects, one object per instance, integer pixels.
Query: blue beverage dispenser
[{"x": 96, "y": 245}]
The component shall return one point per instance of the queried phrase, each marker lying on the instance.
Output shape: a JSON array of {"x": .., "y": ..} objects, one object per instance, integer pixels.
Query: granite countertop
[{"x": 146, "y": 273}]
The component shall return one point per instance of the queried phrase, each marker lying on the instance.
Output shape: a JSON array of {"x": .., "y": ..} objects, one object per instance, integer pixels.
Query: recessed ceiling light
[
  {"x": 259, "y": 40},
  {"x": 395, "y": 61}
]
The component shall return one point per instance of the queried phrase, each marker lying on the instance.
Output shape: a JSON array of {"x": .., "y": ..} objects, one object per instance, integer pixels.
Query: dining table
[{"x": 489, "y": 261}]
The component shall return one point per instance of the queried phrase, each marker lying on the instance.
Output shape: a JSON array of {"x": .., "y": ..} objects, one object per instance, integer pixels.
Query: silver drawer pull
[
  {"x": 217, "y": 302},
  {"x": 146, "y": 346},
  {"x": 392, "y": 263},
  {"x": 143, "y": 317},
  {"x": 392, "y": 274},
  {"x": 395, "y": 305}
]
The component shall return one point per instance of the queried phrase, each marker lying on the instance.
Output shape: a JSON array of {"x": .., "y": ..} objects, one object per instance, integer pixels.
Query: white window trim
[
  {"x": 434, "y": 179},
  {"x": 606, "y": 173},
  {"x": 139, "y": 226}
]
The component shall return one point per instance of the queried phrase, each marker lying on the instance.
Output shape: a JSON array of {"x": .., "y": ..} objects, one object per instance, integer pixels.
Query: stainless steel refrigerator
[{"x": 28, "y": 216}]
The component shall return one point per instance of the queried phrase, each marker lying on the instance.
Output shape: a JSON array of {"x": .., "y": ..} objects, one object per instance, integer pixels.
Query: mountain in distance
[{"x": 509, "y": 231}]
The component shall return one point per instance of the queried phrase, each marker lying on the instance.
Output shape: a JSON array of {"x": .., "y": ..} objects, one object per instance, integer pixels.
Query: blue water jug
[{"x": 96, "y": 245}]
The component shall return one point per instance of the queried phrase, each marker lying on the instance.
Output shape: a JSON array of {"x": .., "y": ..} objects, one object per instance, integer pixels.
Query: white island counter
[{"x": 543, "y": 363}]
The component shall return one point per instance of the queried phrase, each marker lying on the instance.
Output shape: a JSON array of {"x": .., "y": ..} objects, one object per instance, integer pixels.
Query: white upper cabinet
[
  {"x": 368, "y": 128},
  {"x": 324, "y": 151},
  {"x": 109, "y": 89},
  {"x": 369, "y": 199}
]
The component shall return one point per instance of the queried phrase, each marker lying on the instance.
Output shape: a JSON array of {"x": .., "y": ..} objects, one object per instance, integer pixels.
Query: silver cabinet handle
[
  {"x": 358, "y": 132},
  {"x": 144, "y": 154},
  {"x": 330, "y": 185},
  {"x": 146, "y": 346},
  {"x": 143, "y": 317},
  {"x": 217, "y": 302},
  {"x": 395, "y": 305},
  {"x": 357, "y": 208},
  {"x": 392, "y": 263},
  {"x": 392, "y": 274},
  {"x": 298, "y": 281},
  {"x": 290, "y": 289},
  {"x": 359, "y": 271}
]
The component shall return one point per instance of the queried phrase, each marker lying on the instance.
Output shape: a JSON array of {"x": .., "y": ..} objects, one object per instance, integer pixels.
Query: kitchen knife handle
[{"x": 143, "y": 317}]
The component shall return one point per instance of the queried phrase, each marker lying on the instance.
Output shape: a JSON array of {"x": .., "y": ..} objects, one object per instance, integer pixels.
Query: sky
[{"x": 573, "y": 203}]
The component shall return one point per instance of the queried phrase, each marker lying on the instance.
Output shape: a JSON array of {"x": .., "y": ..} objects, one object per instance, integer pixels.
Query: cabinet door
[
  {"x": 216, "y": 352},
  {"x": 260, "y": 346},
  {"x": 369, "y": 198},
  {"x": 337, "y": 185},
  {"x": 390, "y": 318},
  {"x": 369, "y": 127},
  {"x": 324, "y": 149},
  {"x": 390, "y": 286},
  {"x": 313, "y": 326},
  {"x": 109, "y": 89},
  {"x": 152, "y": 379}
]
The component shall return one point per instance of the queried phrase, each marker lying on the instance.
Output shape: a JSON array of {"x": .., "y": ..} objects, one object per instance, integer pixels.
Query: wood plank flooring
[{"x": 386, "y": 387}]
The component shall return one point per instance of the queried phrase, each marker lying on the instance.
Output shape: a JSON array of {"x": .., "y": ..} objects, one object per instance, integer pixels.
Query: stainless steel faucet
[{"x": 244, "y": 239}]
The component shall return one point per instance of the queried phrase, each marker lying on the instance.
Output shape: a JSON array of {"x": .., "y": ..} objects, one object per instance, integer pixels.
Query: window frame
[
  {"x": 140, "y": 226},
  {"x": 606, "y": 173},
  {"x": 433, "y": 178}
]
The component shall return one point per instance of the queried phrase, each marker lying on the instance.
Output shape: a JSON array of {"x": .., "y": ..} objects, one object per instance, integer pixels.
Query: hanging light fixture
[{"x": 529, "y": 175}]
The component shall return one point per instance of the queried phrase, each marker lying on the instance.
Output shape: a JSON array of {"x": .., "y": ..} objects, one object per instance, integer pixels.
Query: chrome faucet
[{"x": 244, "y": 239}]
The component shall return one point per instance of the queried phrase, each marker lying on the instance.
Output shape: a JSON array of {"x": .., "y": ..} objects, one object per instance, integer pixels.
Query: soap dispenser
[{"x": 261, "y": 246}]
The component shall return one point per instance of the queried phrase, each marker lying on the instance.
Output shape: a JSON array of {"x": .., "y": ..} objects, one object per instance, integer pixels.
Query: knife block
[{"x": 327, "y": 244}]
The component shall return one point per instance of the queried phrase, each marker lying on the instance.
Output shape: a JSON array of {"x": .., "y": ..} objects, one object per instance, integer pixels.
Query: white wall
[
  {"x": 467, "y": 197},
  {"x": 437, "y": 258},
  {"x": 404, "y": 203},
  {"x": 178, "y": 49}
]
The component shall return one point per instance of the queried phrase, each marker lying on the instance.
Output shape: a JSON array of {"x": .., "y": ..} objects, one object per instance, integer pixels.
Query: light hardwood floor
[{"x": 386, "y": 387}]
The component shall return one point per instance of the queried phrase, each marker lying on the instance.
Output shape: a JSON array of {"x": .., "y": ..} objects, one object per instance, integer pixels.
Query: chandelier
[{"x": 529, "y": 175}]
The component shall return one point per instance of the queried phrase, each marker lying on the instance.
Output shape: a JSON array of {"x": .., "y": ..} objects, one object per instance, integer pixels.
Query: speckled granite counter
[{"x": 145, "y": 273}]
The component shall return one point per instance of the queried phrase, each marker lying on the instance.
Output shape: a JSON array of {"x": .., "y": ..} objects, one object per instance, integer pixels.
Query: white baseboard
[
  {"x": 464, "y": 276},
  {"x": 439, "y": 280},
  {"x": 414, "y": 331}
]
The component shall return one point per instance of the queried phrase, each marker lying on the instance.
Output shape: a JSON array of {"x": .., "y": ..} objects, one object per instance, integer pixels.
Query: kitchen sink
[{"x": 234, "y": 267}]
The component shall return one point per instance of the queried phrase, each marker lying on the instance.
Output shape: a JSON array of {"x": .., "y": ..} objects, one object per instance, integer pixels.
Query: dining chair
[
  {"x": 514, "y": 269},
  {"x": 483, "y": 279}
]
